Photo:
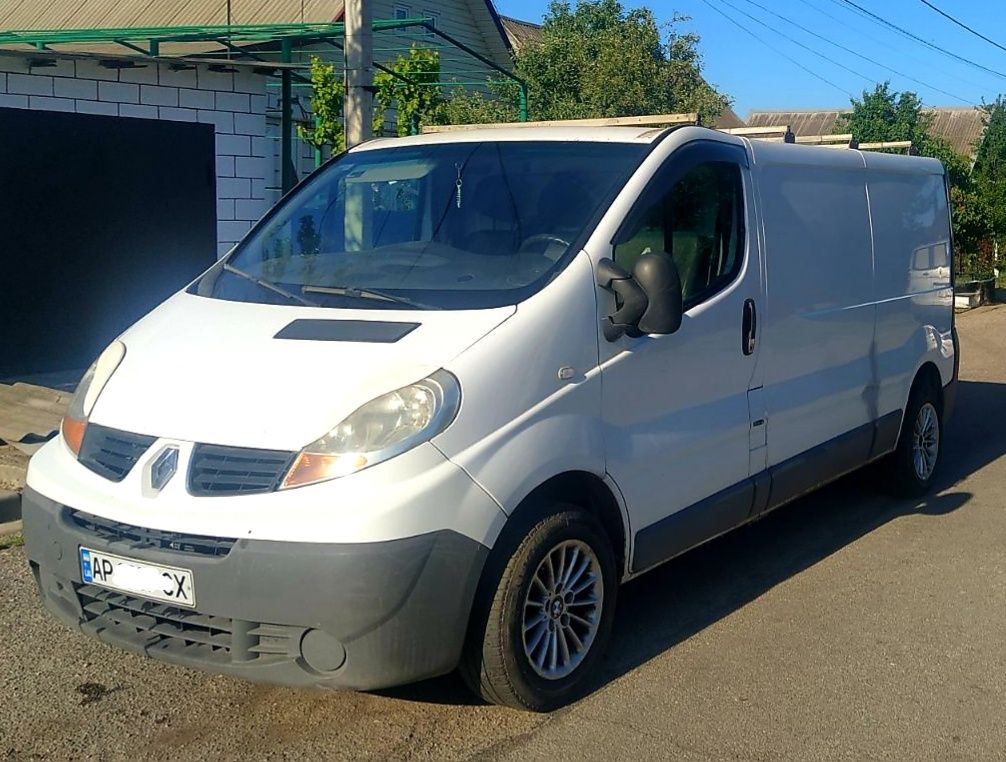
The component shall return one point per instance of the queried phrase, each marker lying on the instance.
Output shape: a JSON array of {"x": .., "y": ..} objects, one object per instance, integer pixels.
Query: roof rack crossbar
[
  {"x": 777, "y": 133},
  {"x": 657, "y": 120},
  {"x": 841, "y": 140}
]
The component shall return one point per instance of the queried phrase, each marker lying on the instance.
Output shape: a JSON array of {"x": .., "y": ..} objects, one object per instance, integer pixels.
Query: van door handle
[{"x": 750, "y": 327}]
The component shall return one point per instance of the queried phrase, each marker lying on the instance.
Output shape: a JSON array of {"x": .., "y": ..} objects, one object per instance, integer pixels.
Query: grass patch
[{"x": 11, "y": 541}]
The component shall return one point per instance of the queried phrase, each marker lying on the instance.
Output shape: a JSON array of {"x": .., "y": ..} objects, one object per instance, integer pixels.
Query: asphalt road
[{"x": 845, "y": 626}]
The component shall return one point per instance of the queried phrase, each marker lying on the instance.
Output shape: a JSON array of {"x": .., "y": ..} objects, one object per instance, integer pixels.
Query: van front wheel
[{"x": 544, "y": 615}]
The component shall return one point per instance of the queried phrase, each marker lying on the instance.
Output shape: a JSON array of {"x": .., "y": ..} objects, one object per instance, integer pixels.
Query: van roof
[
  {"x": 565, "y": 134},
  {"x": 762, "y": 150}
]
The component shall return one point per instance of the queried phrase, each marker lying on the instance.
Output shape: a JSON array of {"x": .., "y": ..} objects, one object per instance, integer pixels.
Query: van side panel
[
  {"x": 819, "y": 316},
  {"x": 911, "y": 231}
]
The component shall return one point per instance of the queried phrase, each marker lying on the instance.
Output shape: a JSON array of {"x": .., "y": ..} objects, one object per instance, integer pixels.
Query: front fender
[{"x": 515, "y": 460}]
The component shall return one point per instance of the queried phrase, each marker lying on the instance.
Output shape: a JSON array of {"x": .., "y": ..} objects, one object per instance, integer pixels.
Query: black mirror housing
[
  {"x": 630, "y": 300},
  {"x": 647, "y": 301},
  {"x": 658, "y": 276}
]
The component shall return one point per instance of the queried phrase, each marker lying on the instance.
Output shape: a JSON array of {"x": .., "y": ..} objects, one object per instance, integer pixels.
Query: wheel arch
[
  {"x": 584, "y": 490},
  {"x": 927, "y": 373}
]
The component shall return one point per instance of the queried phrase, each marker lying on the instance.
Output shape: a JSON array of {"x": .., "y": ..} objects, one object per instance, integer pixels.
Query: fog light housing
[{"x": 321, "y": 651}]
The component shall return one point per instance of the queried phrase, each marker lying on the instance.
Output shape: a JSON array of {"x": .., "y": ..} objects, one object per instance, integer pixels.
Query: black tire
[
  {"x": 494, "y": 662},
  {"x": 900, "y": 473}
]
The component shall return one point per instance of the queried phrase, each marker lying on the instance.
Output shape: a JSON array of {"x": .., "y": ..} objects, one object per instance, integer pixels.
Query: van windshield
[{"x": 442, "y": 226}]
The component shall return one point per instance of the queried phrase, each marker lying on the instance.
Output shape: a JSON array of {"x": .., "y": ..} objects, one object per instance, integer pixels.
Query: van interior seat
[{"x": 693, "y": 254}]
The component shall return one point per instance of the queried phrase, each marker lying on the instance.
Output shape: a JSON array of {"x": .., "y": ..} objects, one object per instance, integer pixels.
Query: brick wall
[{"x": 235, "y": 103}]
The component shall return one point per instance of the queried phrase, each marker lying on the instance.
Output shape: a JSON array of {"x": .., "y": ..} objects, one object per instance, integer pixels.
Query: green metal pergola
[{"x": 282, "y": 52}]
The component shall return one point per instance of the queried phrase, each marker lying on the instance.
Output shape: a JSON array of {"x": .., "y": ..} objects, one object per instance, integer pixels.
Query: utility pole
[{"x": 359, "y": 108}]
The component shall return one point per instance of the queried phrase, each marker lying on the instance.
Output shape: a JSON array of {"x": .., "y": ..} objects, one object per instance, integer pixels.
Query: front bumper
[{"x": 353, "y": 615}]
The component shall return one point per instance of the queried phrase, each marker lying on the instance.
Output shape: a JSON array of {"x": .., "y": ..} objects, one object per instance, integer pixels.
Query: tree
[
  {"x": 413, "y": 91},
  {"x": 886, "y": 115},
  {"x": 326, "y": 102},
  {"x": 600, "y": 60},
  {"x": 595, "y": 60},
  {"x": 990, "y": 165}
]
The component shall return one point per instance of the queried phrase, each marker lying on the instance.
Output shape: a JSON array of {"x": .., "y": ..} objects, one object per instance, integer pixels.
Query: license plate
[{"x": 127, "y": 575}]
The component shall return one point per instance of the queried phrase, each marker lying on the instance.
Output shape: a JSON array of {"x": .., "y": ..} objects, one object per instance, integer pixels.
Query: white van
[{"x": 455, "y": 388}]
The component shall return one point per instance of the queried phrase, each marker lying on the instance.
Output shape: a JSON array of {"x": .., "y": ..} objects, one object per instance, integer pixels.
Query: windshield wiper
[
  {"x": 366, "y": 293},
  {"x": 269, "y": 285}
]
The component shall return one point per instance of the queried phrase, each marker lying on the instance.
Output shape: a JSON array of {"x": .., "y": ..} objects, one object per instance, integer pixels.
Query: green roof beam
[{"x": 240, "y": 32}]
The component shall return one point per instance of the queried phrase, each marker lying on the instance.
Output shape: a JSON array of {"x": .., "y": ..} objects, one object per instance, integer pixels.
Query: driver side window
[{"x": 699, "y": 221}]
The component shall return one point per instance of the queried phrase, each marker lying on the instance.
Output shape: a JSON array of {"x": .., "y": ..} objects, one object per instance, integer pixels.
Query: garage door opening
[{"x": 101, "y": 218}]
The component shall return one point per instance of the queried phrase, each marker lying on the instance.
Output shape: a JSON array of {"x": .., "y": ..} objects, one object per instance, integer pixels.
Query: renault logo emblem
[{"x": 163, "y": 467}]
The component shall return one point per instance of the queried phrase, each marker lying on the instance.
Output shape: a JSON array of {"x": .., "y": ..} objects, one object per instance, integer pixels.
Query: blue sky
[{"x": 760, "y": 77}]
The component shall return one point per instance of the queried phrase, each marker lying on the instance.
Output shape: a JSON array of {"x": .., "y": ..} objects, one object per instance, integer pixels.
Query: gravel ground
[
  {"x": 13, "y": 464},
  {"x": 845, "y": 626}
]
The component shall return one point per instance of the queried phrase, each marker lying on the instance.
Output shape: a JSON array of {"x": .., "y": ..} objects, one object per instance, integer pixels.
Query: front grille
[
  {"x": 142, "y": 537},
  {"x": 160, "y": 628},
  {"x": 112, "y": 453},
  {"x": 216, "y": 470}
]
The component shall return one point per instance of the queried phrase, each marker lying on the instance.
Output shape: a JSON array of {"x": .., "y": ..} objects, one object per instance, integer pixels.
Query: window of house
[
  {"x": 402, "y": 12},
  {"x": 700, "y": 223}
]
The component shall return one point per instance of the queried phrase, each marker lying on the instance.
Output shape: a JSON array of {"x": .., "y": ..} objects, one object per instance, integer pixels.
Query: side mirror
[
  {"x": 658, "y": 276},
  {"x": 648, "y": 301}
]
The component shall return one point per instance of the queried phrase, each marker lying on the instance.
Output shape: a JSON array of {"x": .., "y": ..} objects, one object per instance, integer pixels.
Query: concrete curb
[
  {"x": 10, "y": 506},
  {"x": 11, "y": 527}
]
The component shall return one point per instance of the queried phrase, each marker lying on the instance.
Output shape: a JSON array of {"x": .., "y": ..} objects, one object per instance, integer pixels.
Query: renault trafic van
[{"x": 455, "y": 388}]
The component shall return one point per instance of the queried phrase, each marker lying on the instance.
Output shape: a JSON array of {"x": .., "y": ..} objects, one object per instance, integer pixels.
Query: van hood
[{"x": 206, "y": 370}]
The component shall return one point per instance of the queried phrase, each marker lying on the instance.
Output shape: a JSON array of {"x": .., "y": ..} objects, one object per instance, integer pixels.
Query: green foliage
[
  {"x": 972, "y": 221},
  {"x": 990, "y": 168},
  {"x": 599, "y": 59},
  {"x": 886, "y": 115},
  {"x": 473, "y": 107},
  {"x": 415, "y": 93},
  {"x": 11, "y": 541},
  {"x": 326, "y": 103}
]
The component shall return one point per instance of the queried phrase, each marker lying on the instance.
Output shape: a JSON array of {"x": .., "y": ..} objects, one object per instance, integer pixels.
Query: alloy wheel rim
[
  {"x": 562, "y": 609},
  {"x": 925, "y": 441}
]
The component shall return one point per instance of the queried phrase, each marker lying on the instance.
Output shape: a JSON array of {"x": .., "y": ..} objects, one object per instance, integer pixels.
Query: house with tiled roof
[{"x": 961, "y": 127}]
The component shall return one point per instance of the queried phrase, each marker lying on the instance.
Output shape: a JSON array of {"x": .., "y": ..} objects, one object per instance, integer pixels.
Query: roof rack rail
[{"x": 777, "y": 133}]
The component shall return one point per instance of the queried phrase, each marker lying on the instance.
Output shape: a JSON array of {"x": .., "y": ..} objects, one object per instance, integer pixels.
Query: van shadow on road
[{"x": 686, "y": 595}]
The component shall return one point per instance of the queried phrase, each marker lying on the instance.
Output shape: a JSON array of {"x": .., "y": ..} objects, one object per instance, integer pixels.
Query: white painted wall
[{"x": 234, "y": 103}]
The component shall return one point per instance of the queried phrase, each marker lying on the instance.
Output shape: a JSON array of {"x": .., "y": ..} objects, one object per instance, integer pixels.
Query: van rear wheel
[
  {"x": 912, "y": 467},
  {"x": 543, "y": 613}
]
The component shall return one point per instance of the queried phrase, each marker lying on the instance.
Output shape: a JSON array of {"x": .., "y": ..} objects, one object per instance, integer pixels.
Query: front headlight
[
  {"x": 74, "y": 422},
  {"x": 381, "y": 429}
]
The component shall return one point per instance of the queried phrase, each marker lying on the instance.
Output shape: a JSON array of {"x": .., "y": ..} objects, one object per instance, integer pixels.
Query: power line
[
  {"x": 877, "y": 40},
  {"x": 853, "y": 52},
  {"x": 962, "y": 25},
  {"x": 915, "y": 37},
  {"x": 775, "y": 50},
  {"x": 796, "y": 42}
]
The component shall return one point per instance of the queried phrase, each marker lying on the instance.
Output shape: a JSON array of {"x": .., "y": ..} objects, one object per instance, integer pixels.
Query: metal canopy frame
[{"x": 280, "y": 51}]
